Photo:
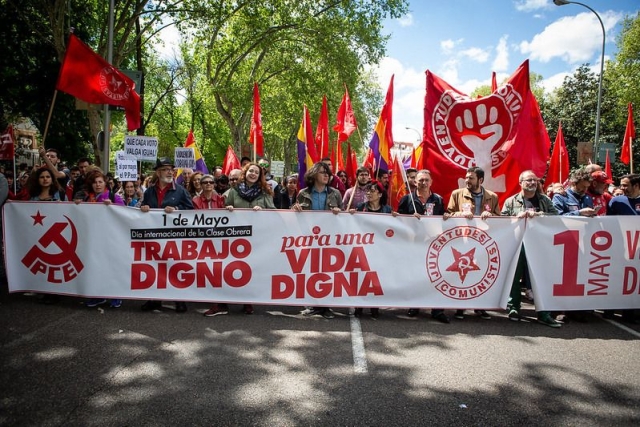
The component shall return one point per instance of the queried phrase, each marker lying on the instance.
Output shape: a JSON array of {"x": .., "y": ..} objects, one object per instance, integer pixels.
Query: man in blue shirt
[{"x": 576, "y": 201}]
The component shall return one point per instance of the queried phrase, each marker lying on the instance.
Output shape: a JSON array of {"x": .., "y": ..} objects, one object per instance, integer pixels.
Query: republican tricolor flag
[
  {"x": 307, "y": 154},
  {"x": 382, "y": 139}
]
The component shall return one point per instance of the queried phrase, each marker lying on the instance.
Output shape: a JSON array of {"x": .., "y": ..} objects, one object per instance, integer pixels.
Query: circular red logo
[
  {"x": 389, "y": 233},
  {"x": 463, "y": 262}
]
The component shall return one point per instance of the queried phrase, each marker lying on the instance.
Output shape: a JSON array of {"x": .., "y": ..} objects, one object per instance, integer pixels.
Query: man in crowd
[
  {"x": 83, "y": 164},
  {"x": 358, "y": 190},
  {"x": 473, "y": 200},
  {"x": 234, "y": 176},
  {"x": 167, "y": 195},
  {"x": 411, "y": 179},
  {"x": 576, "y": 201},
  {"x": 423, "y": 202},
  {"x": 628, "y": 204},
  {"x": 383, "y": 178},
  {"x": 598, "y": 192},
  {"x": 334, "y": 180},
  {"x": 318, "y": 196},
  {"x": 528, "y": 203}
]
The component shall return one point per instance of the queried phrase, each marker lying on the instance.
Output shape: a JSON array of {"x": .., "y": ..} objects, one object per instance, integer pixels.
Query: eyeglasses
[
  {"x": 206, "y": 182},
  {"x": 233, "y": 179},
  {"x": 530, "y": 180}
]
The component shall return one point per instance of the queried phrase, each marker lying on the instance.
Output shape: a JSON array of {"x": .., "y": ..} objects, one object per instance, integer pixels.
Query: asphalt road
[{"x": 68, "y": 365}]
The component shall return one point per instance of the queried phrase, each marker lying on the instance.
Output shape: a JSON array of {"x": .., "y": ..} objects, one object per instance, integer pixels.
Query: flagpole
[
  {"x": 107, "y": 114},
  {"x": 631, "y": 153},
  {"x": 46, "y": 126},
  {"x": 405, "y": 180}
]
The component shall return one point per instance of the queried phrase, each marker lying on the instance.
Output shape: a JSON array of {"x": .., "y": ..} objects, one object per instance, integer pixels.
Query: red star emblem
[
  {"x": 463, "y": 263},
  {"x": 37, "y": 218}
]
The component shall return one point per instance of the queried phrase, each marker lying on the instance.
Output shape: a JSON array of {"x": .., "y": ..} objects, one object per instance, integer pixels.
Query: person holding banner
[
  {"x": 318, "y": 195},
  {"x": 208, "y": 198},
  {"x": 165, "y": 194},
  {"x": 473, "y": 200},
  {"x": 627, "y": 204},
  {"x": 96, "y": 191},
  {"x": 422, "y": 201},
  {"x": 251, "y": 192},
  {"x": 528, "y": 203},
  {"x": 376, "y": 202}
]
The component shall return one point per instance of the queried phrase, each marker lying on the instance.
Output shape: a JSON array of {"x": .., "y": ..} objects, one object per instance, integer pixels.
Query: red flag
[
  {"x": 339, "y": 157},
  {"x": 629, "y": 135},
  {"x": 397, "y": 187},
  {"x": 87, "y": 76},
  {"x": 322, "y": 131},
  {"x": 502, "y": 133},
  {"x": 7, "y": 146},
  {"x": 309, "y": 140},
  {"x": 345, "y": 120},
  {"x": 494, "y": 83},
  {"x": 559, "y": 165},
  {"x": 607, "y": 166},
  {"x": 352, "y": 165},
  {"x": 255, "y": 133},
  {"x": 230, "y": 162}
]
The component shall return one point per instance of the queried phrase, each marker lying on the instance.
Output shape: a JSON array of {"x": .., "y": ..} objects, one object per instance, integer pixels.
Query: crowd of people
[{"x": 588, "y": 192}]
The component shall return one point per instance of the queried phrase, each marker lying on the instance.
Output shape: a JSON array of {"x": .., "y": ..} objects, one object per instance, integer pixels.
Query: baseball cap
[{"x": 600, "y": 176}]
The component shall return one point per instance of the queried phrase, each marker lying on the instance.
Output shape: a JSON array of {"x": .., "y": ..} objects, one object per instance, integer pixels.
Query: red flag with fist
[{"x": 502, "y": 133}]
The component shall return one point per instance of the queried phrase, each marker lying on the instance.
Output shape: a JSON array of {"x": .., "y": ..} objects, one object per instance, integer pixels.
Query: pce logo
[{"x": 54, "y": 255}]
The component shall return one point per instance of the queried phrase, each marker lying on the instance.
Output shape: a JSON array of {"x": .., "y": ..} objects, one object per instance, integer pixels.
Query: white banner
[
  {"x": 144, "y": 148},
  {"x": 265, "y": 257},
  {"x": 584, "y": 263},
  {"x": 184, "y": 157},
  {"x": 126, "y": 166}
]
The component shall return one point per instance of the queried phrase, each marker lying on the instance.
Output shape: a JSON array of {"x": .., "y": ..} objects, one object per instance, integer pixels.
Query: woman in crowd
[
  {"x": 375, "y": 202},
  {"x": 285, "y": 198},
  {"x": 195, "y": 187},
  {"x": 42, "y": 187},
  {"x": 208, "y": 198},
  {"x": 252, "y": 192},
  {"x": 130, "y": 195},
  {"x": 96, "y": 191}
]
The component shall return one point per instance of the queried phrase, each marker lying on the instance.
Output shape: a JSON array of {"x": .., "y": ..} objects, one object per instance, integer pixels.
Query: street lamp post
[
  {"x": 416, "y": 131},
  {"x": 562, "y": 3}
]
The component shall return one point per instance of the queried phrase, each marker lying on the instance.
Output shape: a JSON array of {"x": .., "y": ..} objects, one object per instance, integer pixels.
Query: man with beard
[
  {"x": 528, "y": 203},
  {"x": 473, "y": 200},
  {"x": 358, "y": 190},
  {"x": 167, "y": 195},
  {"x": 576, "y": 201},
  {"x": 598, "y": 192}
]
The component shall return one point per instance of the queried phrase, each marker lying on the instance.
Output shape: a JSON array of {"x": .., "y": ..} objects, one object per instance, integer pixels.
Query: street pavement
[{"x": 69, "y": 365}]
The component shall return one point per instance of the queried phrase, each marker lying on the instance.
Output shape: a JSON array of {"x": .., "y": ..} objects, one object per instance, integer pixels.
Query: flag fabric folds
[
  {"x": 7, "y": 145},
  {"x": 502, "y": 133},
  {"x": 230, "y": 162},
  {"x": 191, "y": 143},
  {"x": 345, "y": 119},
  {"x": 307, "y": 155},
  {"x": 87, "y": 76},
  {"x": 256, "y": 137},
  {"x": 397, "y": 187},
  {"x": 322, "y": 131},
  {"x": 629, "y": 135},
  {"x": 352, "y": 165},
  {"x": 382, "y": 139},
  {"x": 559, "y": 165},
  {"x": 607, "y": 165}
]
